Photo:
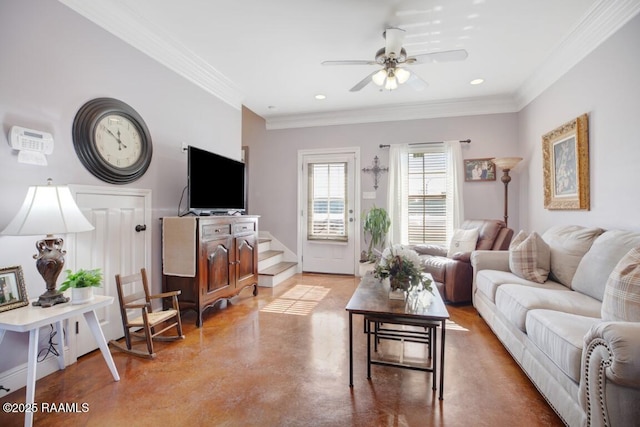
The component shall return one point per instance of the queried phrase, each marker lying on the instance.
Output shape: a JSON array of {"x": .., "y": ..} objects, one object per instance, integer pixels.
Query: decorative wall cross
[{"x": 376, "y": 170}]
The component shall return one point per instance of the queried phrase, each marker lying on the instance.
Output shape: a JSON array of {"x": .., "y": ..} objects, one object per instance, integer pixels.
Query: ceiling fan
[{"x": 393, "y": 58}]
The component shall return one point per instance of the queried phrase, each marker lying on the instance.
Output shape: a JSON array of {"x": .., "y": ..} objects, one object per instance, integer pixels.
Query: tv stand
[{"x": 215, "y": 264}]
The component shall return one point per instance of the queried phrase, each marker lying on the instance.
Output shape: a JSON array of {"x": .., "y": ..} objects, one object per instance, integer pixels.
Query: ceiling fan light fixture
[
  {"x": 379, "y": 77},
  {"x": 402, "y": 75},
  {"x": 392, "y": 83}
]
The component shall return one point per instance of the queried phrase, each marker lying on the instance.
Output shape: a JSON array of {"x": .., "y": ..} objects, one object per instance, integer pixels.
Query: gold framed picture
[
  {"x": 13, "y": 293},
  {"x": 565, "y": 152}
]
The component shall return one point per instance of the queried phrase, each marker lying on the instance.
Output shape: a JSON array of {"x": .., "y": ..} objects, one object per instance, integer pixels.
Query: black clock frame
[{"x": 84, "y": 128}]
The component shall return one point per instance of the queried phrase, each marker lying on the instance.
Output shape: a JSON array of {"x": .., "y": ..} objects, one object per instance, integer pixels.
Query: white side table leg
[
  {"x": 60, "y": 333},
  {"x": 34, "y": 335},
  {"x": 94, "y": 325}
]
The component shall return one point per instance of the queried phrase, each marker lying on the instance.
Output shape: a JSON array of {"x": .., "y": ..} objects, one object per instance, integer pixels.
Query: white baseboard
[{"x": 16, "y": 378}]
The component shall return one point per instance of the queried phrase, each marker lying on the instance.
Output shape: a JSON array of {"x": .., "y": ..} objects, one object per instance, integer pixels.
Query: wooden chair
[{"x": 133, "y": 294}]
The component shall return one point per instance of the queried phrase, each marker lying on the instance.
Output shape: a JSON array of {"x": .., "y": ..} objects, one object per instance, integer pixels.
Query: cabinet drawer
[
  {"x": 210, "y": 231},
  {"x": 244, "y": 227}
]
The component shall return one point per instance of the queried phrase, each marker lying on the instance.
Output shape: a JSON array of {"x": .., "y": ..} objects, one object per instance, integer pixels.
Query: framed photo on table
[
  {"x": 565, "y": 152},
  {"x": 13, "y": 293},
  {"x": 479, "y": 170}
]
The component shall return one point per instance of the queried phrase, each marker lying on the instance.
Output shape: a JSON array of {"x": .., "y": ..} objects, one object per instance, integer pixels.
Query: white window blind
[
  {"x": 327, "y": 217},
  {"x": 427, "y": 196}
]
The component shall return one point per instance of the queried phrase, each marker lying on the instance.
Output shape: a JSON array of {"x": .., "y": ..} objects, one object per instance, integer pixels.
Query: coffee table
[{"x": 371, "y": 299}]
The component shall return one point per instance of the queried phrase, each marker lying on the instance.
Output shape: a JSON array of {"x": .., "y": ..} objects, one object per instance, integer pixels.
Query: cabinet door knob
[{"x": 140, "y": 227}]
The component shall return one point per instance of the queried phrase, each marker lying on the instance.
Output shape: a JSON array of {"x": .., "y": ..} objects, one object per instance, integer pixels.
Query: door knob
[{"x": 140, "y": 228}]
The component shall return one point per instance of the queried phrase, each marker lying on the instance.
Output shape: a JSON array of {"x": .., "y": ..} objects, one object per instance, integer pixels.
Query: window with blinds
[
  {"x": 327, "y": 201},
  {"x": 427, "y": 196}
]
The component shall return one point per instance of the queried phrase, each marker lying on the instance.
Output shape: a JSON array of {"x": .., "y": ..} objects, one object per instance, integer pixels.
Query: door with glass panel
[{"x": 328, "y": 215}]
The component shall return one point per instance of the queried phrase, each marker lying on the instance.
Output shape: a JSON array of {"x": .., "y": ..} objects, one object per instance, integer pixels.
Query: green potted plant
[
  {"x": 376, "y": 226},
  {"x": 82, "y": 283}
]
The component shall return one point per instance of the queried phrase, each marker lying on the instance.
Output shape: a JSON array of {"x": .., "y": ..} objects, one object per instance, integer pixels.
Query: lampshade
[
  {"x": 506, "y": 162},
  {"x": 48, "y": 209},
  {"x": 402, "y": 75},
  {"x": 379, "y": 77},
  {"x": 392, "y": 83}
]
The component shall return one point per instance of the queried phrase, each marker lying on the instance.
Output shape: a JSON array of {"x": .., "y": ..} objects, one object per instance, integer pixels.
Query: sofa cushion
[
  {"x": 515, "y": 301},
  {"x": 621, "y": 301},
  {"x": 597, "y": 264},
  {"x": 529, "y": 257},
  {"x": 568, "y": 244},
  {"x": 560, "y": 336},
  {"x": 463, "y": 241},
  {"x": 488, "y": 281}
]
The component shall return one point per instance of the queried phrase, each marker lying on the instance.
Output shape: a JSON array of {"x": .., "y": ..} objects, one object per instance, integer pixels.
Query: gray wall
[
  {"x": 604, "y": 85},
  {"x": 273, "y": 180},
  {"x": 53, "y": 61}
]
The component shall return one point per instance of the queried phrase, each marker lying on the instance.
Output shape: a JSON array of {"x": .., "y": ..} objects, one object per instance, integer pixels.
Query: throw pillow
[
  {"x": 621, "y": 300},
  {"x": 463, "y": 241},
  {"x": 529, "y": 257}
]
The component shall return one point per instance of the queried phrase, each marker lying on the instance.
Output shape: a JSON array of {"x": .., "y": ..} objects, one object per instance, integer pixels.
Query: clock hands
[{"x": 120, "y": 143}]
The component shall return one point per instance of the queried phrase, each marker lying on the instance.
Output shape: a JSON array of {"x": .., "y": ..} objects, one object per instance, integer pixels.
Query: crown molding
[
  {"x": 601, "y": 21},
  {"x": 414, "y": 111},
  {"x": 123, "y": 22}
]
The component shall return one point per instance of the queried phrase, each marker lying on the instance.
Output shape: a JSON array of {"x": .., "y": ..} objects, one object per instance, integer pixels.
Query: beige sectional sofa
[{"x": 574, "y": 333}]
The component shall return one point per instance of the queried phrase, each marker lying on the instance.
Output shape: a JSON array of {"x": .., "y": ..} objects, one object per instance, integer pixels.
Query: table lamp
[
  {"x": 506, "y": 164},
  {"x": 49, "y": 210}
]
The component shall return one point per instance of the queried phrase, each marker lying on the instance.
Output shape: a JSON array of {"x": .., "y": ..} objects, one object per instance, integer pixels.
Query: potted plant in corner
[
  {"x": 376, "y": 226},
  {"x": 82, "y": 283}
]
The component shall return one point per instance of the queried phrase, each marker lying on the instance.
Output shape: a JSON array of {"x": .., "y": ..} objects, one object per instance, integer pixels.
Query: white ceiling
[{"x": 267, "y": 54}]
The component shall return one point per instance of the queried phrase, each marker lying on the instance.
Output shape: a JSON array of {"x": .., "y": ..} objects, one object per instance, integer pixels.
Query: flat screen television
[{"x": 216, "y": 184}]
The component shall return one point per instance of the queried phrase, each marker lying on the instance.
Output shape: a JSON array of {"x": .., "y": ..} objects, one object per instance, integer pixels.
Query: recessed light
[
  {"x": 477, "y": 81},
  {"x": 320, "y": 96}
]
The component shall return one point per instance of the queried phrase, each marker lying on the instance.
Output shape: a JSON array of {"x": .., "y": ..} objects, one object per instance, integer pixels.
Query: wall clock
[{"x": 112, "y": 141}]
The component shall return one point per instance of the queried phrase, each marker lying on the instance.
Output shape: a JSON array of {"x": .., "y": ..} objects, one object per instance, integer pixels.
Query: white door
[
  {"x": 113, "y": 246},
  {"x": 329, "y": 221}
]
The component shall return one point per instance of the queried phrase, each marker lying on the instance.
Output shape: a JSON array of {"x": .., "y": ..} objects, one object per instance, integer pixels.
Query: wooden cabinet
[{"x": 209, "y": 259}]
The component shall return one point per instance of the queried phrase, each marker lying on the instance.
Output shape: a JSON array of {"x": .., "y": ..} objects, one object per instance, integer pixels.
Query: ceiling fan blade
[
  {"x": 416, "y": 82},
  {"x": 362, "y": 83},
  {"x": 394, "y": 38},
  {"x": 444, "y": 56},
  {"x": 350, "y": 62}
]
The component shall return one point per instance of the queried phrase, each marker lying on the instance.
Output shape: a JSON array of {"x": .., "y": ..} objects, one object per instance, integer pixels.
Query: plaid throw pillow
[
  {"x": 529, "y": 257},
  {"x": 621, "y": 301}
]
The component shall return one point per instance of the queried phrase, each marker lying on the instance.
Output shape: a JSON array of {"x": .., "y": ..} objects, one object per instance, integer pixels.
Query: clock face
[
  {"x": 118, "y": 141},
  {"x": 112, "y": 141}
]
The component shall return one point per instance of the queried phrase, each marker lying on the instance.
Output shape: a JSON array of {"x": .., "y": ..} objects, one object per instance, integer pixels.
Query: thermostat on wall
[{"x": 32, "y": 144}]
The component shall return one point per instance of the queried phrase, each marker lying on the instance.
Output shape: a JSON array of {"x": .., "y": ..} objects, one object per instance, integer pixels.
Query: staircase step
[
  {"x": 268, "y": 254},
  {"x": 263, "y": 240},
  {"x": 277, "y": 269}
]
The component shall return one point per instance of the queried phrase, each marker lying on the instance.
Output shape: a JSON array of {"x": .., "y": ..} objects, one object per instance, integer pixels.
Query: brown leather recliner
[{"x": 453, "y": 276}]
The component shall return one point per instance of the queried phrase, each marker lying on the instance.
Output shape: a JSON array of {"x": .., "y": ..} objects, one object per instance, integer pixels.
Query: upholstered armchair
[{"x": 451, "y": 270}]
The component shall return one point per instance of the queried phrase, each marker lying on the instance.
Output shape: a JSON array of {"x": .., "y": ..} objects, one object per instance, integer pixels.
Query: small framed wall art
[
  {"x": 565, "y": 152},
  {"x": 13, "y": 293},
  {"x": 479, "y": 170}
]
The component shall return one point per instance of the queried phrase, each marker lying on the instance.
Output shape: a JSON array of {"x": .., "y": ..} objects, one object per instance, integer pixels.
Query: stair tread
[
  {"x": 278, "y": 268},
  {"x": 263, "y": 240},
  {"x": 268, "y": 254}
]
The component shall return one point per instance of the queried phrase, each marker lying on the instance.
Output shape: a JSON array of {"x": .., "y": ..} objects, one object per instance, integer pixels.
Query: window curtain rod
[{"x": 462, "y": 141}]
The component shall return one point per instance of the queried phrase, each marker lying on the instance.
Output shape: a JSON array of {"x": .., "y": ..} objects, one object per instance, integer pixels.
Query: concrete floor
[{"x": 281, "y": 359}]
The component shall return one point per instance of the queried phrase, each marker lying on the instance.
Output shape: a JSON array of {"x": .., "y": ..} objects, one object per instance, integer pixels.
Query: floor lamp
[
  {"x": 506, "y": 164},
  {"x": 48, "y": 210}
]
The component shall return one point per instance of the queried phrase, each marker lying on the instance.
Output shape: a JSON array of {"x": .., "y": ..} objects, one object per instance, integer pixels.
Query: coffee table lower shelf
[{"x": 373, "y": 327}]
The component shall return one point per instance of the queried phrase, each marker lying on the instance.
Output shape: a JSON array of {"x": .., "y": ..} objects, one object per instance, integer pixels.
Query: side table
[{"x": 31, "y": 319}]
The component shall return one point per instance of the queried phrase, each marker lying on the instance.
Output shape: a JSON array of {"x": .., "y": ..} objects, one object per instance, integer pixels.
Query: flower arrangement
[{"x": 402, "y": 266}]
